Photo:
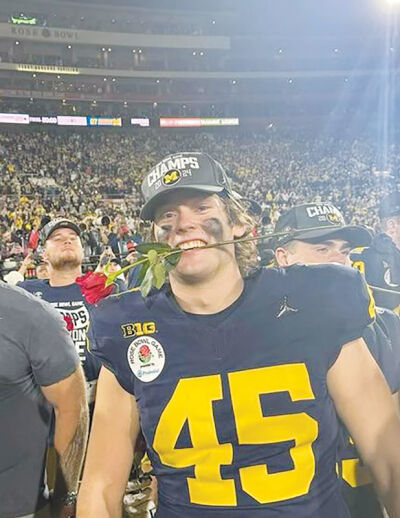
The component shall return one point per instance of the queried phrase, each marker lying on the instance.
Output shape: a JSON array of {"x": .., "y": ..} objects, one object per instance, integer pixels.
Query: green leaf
[
  {"x": 142, "y": 273},
  {"x": 113, "y": 275},
  {"x": 144, "y": 248},
  {"x": 153, "y": 256},
  {"x": 173, "y": 258},
  {"x": 158, "y": 275},
  {"x": 147, "y": 283},
  {"x": 168, "y": 266}
]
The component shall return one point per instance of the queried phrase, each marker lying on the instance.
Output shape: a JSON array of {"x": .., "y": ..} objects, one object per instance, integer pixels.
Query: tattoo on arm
[{"x": 69, "y": 463}]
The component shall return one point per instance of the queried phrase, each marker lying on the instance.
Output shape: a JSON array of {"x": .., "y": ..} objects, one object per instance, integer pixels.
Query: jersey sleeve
[
  {"x": 105, "y": 342},
  {"x": 355, "y": 306},
  {"x": 389, "y": 323},
  {"x": 49, "y": 346},
  {"x": 348, "y": 306}
]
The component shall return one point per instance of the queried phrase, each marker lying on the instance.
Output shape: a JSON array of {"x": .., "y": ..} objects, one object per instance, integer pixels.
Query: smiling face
[
  {"x": 329, "y": 251},
  {"x": 63, "y": 249},
  {"x": 191, "y": 219}
]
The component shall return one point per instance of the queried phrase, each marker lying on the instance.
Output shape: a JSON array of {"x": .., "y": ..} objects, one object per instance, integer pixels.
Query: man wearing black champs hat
[
  {"x": 236, "y": 376},
  {"x": 381, "y": 260},
  {"x": 64, "y": 254},
  {"x": 317, "y": 234}
]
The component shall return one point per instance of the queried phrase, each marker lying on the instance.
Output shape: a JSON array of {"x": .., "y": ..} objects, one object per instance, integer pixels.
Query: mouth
[{"x": 188, "y": 245}]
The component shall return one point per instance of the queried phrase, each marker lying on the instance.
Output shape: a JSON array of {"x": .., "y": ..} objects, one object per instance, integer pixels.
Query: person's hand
[
  {"x": 16, "y": 249},
  {"x": 104, "y": 258},
  {"x": 26, "y": 263}
]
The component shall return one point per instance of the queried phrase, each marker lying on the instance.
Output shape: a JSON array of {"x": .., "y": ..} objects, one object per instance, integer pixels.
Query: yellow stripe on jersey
[{"x": 371, "y": 304}]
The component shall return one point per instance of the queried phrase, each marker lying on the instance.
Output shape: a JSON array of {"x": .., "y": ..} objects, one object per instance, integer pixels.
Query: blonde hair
[{"x": 245, "y": 251}]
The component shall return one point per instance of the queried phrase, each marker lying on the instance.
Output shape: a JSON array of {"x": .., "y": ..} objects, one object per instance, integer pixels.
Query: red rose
[
  {"x": 93, "y": 286},
  {"x": 68, "y": 321},
  {"x": 144, "y": 351}
]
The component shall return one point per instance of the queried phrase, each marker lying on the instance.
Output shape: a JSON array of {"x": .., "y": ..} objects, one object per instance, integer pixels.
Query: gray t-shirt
[{"x": 35, "y": 350}]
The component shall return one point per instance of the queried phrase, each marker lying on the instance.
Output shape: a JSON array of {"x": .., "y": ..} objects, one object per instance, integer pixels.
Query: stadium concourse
[{"x": 80, "y": 175}]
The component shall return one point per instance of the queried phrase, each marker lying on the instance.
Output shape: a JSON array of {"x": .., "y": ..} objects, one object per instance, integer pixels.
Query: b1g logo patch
[
  {"x": 138, "y": 329},
  {"x": 146, "y": 358},
  {"x": 171, "y": 178}
]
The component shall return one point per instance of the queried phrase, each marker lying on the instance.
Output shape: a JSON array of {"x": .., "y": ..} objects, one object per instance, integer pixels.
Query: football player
[
  {"x": 330, "y": 241},
  {"x": 381, "y": 260},
  {"x": 236, "y": 376}
]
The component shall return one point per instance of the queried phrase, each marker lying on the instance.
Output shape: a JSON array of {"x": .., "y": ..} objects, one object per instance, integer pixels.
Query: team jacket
[{"x": 234, "y": 406}]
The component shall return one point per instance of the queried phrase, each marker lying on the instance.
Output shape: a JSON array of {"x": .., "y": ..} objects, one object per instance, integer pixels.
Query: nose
[
  {"x": 186, "y": 220},
  {"x": 340, "y": 257}
]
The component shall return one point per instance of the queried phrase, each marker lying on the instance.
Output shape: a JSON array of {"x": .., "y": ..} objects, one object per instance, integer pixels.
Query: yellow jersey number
[
  {"x": 192, "y": 401},
  {"x": 355, "y": 473}
]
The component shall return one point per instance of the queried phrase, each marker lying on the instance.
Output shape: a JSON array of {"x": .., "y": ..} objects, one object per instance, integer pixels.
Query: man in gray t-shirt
[{"x": 39, "y": 370}]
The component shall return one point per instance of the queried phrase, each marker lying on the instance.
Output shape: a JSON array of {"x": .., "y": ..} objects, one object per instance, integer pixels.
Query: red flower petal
[{"x": 93, "y": 287}]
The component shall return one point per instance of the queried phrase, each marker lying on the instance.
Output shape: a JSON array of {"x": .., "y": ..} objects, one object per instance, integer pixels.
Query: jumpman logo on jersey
[{"x": 284, "y": 308}]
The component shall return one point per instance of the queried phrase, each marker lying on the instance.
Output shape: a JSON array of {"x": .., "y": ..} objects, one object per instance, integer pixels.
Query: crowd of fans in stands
[{"x": 84, "y": 175}]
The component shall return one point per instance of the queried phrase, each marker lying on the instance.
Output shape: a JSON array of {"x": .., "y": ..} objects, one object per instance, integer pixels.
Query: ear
[
  {"x": 239, "y": 230},
  {"x": 44, "y": 255},
  {"x": 281, "y": 256},
  {"x": 391, "y": 224}
]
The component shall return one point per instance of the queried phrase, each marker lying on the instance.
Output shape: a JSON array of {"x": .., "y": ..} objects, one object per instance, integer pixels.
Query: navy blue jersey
[
  {"x": 234, "y": 407},
  {"x": 380, "y": 263},
  {"x": 389, "y": 322},
  {"x": 383, "y": 341},
  {"x": 68, "y": 300}
]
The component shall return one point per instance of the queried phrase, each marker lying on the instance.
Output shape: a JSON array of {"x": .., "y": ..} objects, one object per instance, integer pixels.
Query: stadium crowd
[{"x": 84, "y": 176}]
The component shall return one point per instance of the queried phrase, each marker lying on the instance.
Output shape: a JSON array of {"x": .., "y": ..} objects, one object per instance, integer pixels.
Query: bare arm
[
  {"x": 109, "y": 459},
  {"x": 68, "y": 398},
  {"x": 363, "y": 400}
]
